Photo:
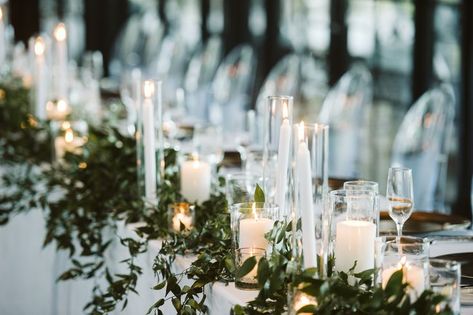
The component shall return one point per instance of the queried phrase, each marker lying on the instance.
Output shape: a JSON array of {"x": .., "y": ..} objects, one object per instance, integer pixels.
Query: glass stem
[{"x": 399, "y": 229}]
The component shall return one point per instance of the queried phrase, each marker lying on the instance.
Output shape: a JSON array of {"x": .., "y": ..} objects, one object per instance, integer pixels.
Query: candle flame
[
  {"x": 285, "y": 112},
  {"x": 1, "y": 13},
  {"x": 39, "y": 46},
  {"x": 195, "y": 159},
  {"x": 60, "y": 32},
  {"x": 255, "y": 214},
  {"x": 403, "y": 261},
  {"x": 148, "y": 88},
  {"x": 66, "y": 125},
  {"x": 69, "y": 136},
  {"x": 301, "y": 131},
  {"x": 61, "y": 105}
]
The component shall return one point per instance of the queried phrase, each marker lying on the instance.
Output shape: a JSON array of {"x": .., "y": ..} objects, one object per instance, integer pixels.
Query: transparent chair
[
  {"x": 421, "y": 144},
  {"x": 231, "y": 91},
  {"x": 346, "y": 110}
]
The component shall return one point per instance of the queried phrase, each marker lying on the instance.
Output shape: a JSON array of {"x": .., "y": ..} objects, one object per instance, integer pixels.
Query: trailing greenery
[{"x": 88, "y": 197}]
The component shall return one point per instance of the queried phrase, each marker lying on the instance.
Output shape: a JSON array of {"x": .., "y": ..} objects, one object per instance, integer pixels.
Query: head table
[{"x": 28, "y": 273}]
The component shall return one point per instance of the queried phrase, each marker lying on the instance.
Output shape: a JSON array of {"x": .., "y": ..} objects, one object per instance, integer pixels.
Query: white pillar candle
[
  {"x": 195, "y": 180},
  {"x": 68, "y": 143},
  {"x": 252, "y": 231},
  {"x": 40, "y": 78},
  {"x": 304, "y": 176},
  {"x": 58, "y": 111},
  {"x": 3, "y": 41},
  {"x": 283, "y": 161},
  {"x": 61, "y": 74},
  {"x": 354, "y": 241},
  {"x": 412, "y": 275},
  {"x": 149, "y": 137}
]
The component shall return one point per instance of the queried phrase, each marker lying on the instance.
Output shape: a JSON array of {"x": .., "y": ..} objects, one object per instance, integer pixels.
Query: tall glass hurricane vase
[
  {"x": 277, "y": 141},
  {"x": 310, "y": 184},
  {"x": 150, "y": 140}
]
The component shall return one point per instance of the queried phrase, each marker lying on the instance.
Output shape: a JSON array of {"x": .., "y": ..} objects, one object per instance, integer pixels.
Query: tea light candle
[
  {"x": 304, "y": 175},
  {"x": 68, "y": 143},
  {"x": 355, "y": 241},
  {"x": 195, "y": 180},
  {"x": 283, "y": 160},
  {"x": 301, "y": 299},
  {"x": 60, "y": 36},
  {"x": 57, "y": 110},
  {"x": 40, "y": 78},
  {"x": 184, "y": 218},
  {"x": 252, "y": 231},
  {"x": 412, "y": 275},
  {"x": 149, "y": 137}
]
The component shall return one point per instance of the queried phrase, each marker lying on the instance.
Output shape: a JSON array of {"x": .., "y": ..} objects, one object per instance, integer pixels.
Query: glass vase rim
[
  {"x": 450, "y": 263},
  {"x": 415, "y": 240},
  {"x": 400, "y": 168},
  {"x": 258, "y": 205},
  {"x": 344, "y": 193},
  {"x": 312, "y": 126},
  {"x": 280, "y": 97}
]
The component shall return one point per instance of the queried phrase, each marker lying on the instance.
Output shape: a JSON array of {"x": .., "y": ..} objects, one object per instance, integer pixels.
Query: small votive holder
[
  {"x": 70, "y": 136},
  {"x": 249, "y": 280},
  {"x": 444, "y": 276},
  {"x": 411, "y": 255},
  {"x": 181, "y": 216},
  {"x": 57, "y": 110},
  {"x": 300, "y": 300}
]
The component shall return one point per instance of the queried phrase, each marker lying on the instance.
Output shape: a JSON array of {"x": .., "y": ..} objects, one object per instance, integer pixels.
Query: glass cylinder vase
[
  {"x": 310, "y": 183},
  {"x": 150, "y": 140}
]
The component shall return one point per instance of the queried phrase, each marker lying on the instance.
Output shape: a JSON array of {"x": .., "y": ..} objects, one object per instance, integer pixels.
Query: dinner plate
[{"x": 423, "y": 222}]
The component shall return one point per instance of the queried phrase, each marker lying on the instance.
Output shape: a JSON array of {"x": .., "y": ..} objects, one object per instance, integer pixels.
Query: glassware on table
[
  {"x": 367, "y": 186},
  {"x": 400, "y": 194},
  {"x": 411, "y": 254},
  {"x": 240, "y": 187},
  {"x": 444, "y": 279},
  {"x": 352, "y": 232},
  {"x": 249, "y": 280}
]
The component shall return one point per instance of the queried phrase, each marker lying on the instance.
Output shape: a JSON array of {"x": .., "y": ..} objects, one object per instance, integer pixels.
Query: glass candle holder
[
  {"x": 181, "y": 216},
  {"x": 366, "y": 186},
  {"x": 276, "y": 144},
  {"x": 58, "y": 110},
  {"x": 444, "y": 277},
  {"x": 150, "y": 140},
  {"x": 248, "y": 281},
  {"x": 250, "y": 222},
  {"x": 411, "y": 254},
  {"x": 195, "y": 178},
  {"x": 300, "y": 300},
  {"x": 69, "y": 136},
  {"x": 353, "y": 229}
]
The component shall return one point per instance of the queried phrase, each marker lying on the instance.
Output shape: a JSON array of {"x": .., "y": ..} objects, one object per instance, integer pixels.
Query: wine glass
[{"x": 400, "y": 194}]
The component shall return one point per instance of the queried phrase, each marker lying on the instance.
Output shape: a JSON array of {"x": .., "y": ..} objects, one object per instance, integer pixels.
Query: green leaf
[
  {"x": 246, "y": 267},
  {"x": 259, "y": 194}
]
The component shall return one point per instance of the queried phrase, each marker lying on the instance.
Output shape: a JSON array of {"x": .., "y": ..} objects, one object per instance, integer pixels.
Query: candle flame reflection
[{"x": 61, "y": 105}]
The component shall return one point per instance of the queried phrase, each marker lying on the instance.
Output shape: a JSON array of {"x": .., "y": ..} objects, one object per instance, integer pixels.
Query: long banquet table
[{"x": 28, "y": 273}]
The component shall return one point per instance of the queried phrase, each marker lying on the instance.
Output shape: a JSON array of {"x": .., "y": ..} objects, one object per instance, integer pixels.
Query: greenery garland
[{"x": 98, "y": 188}]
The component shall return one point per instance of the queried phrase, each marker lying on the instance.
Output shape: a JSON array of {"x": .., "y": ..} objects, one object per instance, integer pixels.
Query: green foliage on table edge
[{"x": 99, "y": 189}]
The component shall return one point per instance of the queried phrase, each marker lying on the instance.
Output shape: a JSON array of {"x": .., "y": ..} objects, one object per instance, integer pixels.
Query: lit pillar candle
[
  {"x": 252, "y": 231},
  {"x": 304, "y": 176},
  {"x": 61, "y": 77},
  {"x": 195, "y": 180},
  {"x": 283, "y": 160},
  {"x": 40, "y": 78},
  {"x": 3, "y": 42},
  {"x": 68, "y": 143},
  {"x": 149, "y": 138},
  {"x": 412, "y": 275},
  {"x": 354, "y": 241}
]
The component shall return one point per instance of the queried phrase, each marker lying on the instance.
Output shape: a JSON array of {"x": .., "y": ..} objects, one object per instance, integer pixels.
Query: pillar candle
[
  {"x": 412, "y": 274},
  {"x": 149, "y": 138},
  {"x": 306, "y": 204},
  {"x": 252, "y": 231},
  {"x": 283, "y": 161},
  {"x": 195, "y": 180},
  {"x": 354, "y": 241},
  {"x": 40, "y": 78},
  {"x": 61, "y": 77}
]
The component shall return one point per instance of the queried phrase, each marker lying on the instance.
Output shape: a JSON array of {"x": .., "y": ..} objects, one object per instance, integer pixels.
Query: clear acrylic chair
[
  {"x": 231, "y": 91},
  {"x": 421, "y": 144},
  {"x": 346, "y": 111}
]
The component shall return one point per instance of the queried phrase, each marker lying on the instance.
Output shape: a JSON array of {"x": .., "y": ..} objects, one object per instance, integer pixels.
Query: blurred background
[{"x": 359, "y": 65}]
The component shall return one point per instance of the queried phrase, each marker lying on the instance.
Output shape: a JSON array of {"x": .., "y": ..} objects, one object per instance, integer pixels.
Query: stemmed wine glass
[{"x": 400, "y": 194}]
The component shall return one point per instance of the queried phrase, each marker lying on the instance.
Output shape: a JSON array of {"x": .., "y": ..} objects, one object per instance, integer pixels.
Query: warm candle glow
[
  {"x": 255, "y": 214},
  {"x": 1, "y": 14},
  {"x": 285, "y": 112},
  {"x": 60, "y": 32},
  {"x": 39, "y": 46},
  {"x": 148, "y": 89},
  {"x": 61, "y": 105},
  {"x": 301, "y": 131},
  {"x": 69, "y": 136},
  {"x": 66, "y": 125}
]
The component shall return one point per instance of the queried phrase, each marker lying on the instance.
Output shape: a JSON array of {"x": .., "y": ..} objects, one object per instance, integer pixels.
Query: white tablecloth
[{"x": 27, "y": 274}]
